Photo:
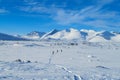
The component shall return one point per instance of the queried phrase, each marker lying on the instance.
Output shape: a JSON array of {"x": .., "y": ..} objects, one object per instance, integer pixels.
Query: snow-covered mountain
[
  {"x": 82, "y": 35},
  {"x": 68, "y": 34},
  {"x": 105, "y": 36},
  {"x": 36, "y": 33}
]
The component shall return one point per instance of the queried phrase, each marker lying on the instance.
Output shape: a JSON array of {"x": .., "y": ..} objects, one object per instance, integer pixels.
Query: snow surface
[{"x": 59, "y": 60}]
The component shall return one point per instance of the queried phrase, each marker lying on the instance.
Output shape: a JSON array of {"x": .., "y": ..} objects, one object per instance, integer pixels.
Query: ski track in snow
[{"x": 76, "y": 77}]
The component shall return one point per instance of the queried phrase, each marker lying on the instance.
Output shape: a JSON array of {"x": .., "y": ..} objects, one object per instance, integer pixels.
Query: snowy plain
[{"x": 59, "y": 60}]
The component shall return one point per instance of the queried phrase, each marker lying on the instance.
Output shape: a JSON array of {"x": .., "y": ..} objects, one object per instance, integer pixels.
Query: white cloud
[
  {"x": 3, "y": 11},
  {"x": 30, "y": 2},
  {"x": 90, "y": 15},
  {"x": 104, "y": 2}
]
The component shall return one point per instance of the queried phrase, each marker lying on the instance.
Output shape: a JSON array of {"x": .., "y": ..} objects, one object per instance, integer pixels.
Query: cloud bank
[
  {"x": 3, "y": 11},
  {"x": 95, "y": 13}
]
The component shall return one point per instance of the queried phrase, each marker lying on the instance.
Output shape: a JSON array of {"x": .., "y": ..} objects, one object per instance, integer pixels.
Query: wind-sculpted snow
[
  {"x": 59, "y": 60},
  {"x": 32, "y": 71},
  {"x": 24, "y": 70}
]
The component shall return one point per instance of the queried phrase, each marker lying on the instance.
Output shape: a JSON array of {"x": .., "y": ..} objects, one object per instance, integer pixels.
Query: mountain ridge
[{"x": 68, "y": 34}]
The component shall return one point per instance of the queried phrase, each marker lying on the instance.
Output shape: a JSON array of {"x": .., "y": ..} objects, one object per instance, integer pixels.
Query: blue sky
[{"x": 22, "y": 16}]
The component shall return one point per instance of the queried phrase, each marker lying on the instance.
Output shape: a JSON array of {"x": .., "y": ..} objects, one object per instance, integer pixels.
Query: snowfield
[{"x": 59, "y": 60}]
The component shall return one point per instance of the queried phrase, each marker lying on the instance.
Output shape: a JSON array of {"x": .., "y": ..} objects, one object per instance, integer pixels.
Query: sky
[{"x": 23, "y": 16}]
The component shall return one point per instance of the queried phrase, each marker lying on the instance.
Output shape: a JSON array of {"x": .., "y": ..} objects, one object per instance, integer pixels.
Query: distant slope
[
  {"x": 10, "y": 37},
  {"x": 47, "y": 35},
  {"x": 104, "y": 36}
]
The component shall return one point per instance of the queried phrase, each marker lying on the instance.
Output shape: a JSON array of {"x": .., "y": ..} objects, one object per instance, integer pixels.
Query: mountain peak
[
  {"x": 36, "y": 33},
  {"x": 72, "y": 29},
  {"x": 52, "y": 32}
]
